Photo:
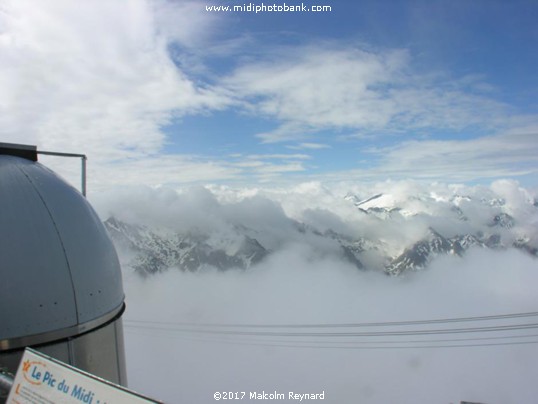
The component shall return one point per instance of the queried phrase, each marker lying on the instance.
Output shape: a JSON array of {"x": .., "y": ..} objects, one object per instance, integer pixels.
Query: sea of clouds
[{"x": 299, "y": 283}]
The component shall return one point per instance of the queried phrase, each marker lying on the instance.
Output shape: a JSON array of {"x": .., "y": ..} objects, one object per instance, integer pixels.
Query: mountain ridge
[{"x": 153, "y": 250}]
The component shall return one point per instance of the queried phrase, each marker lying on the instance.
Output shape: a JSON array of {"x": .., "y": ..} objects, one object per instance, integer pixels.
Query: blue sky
[{"x": 167, "y": 93}]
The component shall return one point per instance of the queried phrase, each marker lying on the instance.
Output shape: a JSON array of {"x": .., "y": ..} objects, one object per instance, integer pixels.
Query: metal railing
[
  {"x": 83, "y": 159},
  {"x": 30, "y": 152}
]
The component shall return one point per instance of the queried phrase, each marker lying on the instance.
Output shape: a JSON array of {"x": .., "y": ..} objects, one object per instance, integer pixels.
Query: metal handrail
[{"x": 83, "y": 166}]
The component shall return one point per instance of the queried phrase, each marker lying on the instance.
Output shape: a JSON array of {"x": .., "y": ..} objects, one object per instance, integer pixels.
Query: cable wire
[
  {"x": 286, "y": 335},
  {"x": 343, "y": 325},
  {"x": 306, "y": 344}
]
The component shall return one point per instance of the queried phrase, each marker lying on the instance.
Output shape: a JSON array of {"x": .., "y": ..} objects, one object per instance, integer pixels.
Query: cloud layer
[
  {"x": 170, "y": 321},
  {"x": 489, "y": 156},
  {"x": 291, "y": 288},
  {"x": 398, "y": 216}
]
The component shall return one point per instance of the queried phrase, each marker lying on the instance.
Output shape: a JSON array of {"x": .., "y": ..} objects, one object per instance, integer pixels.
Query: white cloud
[
  {"x": 311, "y": 146},
  {"x": 153, "y": 170},
  {"x": 271, "y": 213},
  {"x": 281, "y": 168},
  {"x": 319, "y": 88},
  {"x": 460, "y": 160},
  {"x": 96, "y": 77},
  {"x": 266, "y": 167},
  {"x": 315, "y": 88},
  {"x": 250, "y": 164},
  {"x": 184, "y": 22},
  {"x": 171, "y": 170},
  {"x": 280, "y": 156}
]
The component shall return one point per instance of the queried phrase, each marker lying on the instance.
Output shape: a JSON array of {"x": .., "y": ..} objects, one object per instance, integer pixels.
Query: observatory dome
[{"x": 60, "y": 275}]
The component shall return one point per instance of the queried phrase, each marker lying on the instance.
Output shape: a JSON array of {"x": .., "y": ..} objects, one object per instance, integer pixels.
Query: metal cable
[{"x": 340, "y": 325}]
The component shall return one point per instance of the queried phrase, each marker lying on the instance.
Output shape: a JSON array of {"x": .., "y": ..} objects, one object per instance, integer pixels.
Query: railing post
[
  {"x": 6, "y": 382},
  {"x": 83, "y": 179}
]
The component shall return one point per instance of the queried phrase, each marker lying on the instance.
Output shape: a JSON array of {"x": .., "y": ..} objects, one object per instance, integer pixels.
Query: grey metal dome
[{"x": 59, "y": 272}]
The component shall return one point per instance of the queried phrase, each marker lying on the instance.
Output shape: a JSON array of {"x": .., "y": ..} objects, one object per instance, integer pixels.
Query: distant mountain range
[
  {"x": 156, "y": 251},
  {"x": 148, "y": 250}
]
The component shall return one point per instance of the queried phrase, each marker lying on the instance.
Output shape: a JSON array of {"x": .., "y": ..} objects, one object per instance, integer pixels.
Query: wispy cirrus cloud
[
  {"x": 283, "y": 156},
  {"x": 484, "y": 157},
  {"x": 310, "y": 146},
  {"x": 317, "y": 88},
  {"x": 170, "y": 170},
  {"x": 487, "y": 157},
  {"x": 266, "y": 167},
  {"x": 313, "y": 88}
]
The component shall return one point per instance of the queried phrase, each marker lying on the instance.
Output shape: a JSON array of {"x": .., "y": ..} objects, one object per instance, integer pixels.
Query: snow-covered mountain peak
[
  {"x": 386, "y": 205},
  {"x": 385, "y": 231}
]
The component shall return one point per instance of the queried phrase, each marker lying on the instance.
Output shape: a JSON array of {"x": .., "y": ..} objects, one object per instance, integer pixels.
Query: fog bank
[{"x": 295, "y": 287}]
